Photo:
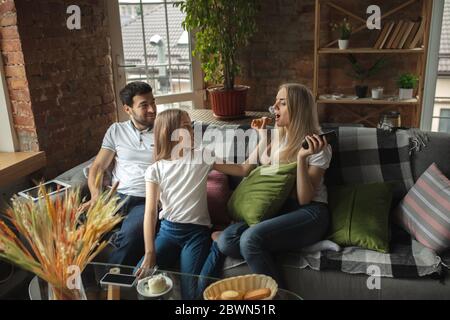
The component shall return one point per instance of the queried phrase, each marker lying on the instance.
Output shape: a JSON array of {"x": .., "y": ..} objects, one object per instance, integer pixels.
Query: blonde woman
[{"x": 304, "y": 219}]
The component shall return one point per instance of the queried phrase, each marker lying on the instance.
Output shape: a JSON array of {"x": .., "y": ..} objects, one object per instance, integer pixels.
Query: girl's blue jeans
[{"x": 189, "y": 244}]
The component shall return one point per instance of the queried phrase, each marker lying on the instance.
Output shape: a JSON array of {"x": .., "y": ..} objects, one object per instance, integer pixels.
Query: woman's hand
[
  {"x": 148, "y": 263},
  {"x": 262, "y": 123},
  {"x": 316, "y": 144}
]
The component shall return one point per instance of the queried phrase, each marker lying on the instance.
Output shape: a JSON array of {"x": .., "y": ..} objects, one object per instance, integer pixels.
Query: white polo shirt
[{"x": 134, "y": 154}]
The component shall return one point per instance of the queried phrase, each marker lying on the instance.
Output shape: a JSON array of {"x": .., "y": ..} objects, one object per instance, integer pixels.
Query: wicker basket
[{"x": 241, "y": 284}]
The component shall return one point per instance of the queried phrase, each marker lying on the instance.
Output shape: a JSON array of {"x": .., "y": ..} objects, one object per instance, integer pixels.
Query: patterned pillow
[{"x": 425, "y": 211}]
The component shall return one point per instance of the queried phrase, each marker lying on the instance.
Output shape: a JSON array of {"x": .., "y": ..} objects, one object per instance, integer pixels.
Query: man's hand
[{"x": 87, "y": 205}]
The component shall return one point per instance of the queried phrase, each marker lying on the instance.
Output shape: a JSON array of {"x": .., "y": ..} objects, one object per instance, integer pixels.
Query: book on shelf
[
  {"x": 394, "y": 35},
  {"x": 408, "y": 28},
  {"x": 419, "y": 36},
  {"x": 412, "y": 34},
  {"x": 390, "y": 27},
  {"x": 400, "y": 35},
  {"x": 381, "y": 36}
]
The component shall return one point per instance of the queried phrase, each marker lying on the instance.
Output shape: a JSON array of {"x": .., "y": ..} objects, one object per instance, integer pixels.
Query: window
[
  {"x": 437, "y": 84},
  {"x": 153, "y": 47},
  {"x": 444, "y": 121},
  {"x": 8, "y": 141}
]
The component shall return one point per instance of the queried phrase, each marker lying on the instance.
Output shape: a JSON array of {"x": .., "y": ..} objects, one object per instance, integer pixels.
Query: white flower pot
[
  {"x": 343, "y": 44},
  {"x": 377, "y": 93},
  {"x": 405, "y": 94}
]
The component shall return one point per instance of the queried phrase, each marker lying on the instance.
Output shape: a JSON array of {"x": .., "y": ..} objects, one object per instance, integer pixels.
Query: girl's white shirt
[{"x": 182, "y": 188}]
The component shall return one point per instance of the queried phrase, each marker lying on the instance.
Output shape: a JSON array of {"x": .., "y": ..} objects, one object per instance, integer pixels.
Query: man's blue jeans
[
  {"x": 128, "y": 243},
  {"x": 300, "y": 227},
  {"x": 190, "y": 245}
]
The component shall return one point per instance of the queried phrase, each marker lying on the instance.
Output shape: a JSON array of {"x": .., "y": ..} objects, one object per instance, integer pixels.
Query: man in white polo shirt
[{"x": 131, "y": 145}]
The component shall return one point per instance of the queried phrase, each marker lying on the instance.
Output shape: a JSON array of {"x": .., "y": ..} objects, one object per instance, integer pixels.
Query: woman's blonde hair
[
  {"x": 166, "y": 123},
  {"x": 303, "y": 121}
]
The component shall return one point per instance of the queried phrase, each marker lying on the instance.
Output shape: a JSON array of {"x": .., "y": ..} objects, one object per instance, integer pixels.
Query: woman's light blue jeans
[{"x": 300, "y": 227}]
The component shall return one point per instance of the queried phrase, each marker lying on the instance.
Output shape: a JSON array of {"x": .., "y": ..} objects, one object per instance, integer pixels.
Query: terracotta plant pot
[{"x": 228, "y": 104}]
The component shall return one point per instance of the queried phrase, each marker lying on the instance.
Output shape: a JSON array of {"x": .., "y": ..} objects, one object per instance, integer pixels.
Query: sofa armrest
[{"x": 75, "y": 176}]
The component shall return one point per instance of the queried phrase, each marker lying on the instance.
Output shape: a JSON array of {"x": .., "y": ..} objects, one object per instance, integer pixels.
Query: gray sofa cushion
[
  {"x": 437, "y": 150},
  {"x": 75, "y": 176}
]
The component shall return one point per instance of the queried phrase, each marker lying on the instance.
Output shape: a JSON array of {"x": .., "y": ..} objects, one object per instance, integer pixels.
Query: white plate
[{"x": 142, "y": 287}]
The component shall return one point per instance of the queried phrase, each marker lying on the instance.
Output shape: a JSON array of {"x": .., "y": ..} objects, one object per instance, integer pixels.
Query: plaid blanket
[
  {"x": 366, "y": 155},
  {"x": 408, "y": 259},
  {"x": 405, "y": 261},
  {"x": 445, "y": 256}
]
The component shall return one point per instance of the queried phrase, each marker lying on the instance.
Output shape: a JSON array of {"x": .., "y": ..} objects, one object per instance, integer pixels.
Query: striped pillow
[{"x": 425, "y": 211}]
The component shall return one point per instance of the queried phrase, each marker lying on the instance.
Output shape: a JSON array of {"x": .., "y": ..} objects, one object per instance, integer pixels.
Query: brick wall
[
  {"x": 60, "y": 80},
  {"x": 283, "y": 51}
]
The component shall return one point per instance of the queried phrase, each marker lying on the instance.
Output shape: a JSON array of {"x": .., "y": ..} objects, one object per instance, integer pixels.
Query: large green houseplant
[{"x": 221, "y": 28}]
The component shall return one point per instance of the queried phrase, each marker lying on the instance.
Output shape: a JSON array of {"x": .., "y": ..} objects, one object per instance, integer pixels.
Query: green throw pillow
[
  {"x": 262, "y": 194},
  {"x": 360, "y": 215}
]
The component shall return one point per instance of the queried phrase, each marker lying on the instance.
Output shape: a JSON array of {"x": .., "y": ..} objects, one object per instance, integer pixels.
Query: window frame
[
  {"x": 442, "y": 117},
  {"x": 431, "y": 75},
  {"x": 198, "y": 94}
]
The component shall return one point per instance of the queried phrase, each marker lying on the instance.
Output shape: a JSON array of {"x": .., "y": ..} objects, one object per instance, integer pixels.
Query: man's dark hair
[{"x": 134, "y": 89}]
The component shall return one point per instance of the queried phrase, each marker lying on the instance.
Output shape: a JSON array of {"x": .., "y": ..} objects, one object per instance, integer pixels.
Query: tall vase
[{"x": 63, "y": 293}]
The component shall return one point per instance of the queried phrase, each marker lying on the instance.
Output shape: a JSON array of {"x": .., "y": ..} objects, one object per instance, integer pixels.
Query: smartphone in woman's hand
[{"x": 328, "y": 135}]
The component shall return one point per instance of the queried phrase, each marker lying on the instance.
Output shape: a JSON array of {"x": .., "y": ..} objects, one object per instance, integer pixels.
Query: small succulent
[{"x": 407, "y": 81}]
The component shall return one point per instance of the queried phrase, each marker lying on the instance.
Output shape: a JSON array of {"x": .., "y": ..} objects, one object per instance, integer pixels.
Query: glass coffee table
[{"x": 94, "y": 290}]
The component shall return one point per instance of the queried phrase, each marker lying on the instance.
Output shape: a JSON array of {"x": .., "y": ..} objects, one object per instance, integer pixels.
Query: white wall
[{"x": 8, "y": 139}]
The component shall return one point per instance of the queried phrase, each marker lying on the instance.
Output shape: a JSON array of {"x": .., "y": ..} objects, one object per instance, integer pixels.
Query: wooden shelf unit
[
  {"x": 369, "y": 101},
  {"x": 370, "y": 50},
  {"x": 421, "y": 53}
]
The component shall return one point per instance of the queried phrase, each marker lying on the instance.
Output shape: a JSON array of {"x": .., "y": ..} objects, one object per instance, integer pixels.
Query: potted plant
[
  {"x": 221, "y": 28},
  {"x": 362, "y": 73},
  {"x": 407, "y": 82},
  {"x": 345, "y": 30}
]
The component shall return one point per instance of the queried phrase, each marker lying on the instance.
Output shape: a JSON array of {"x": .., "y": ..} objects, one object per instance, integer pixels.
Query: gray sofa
[
  {"x": 334, "y": 284},
  {"x": 331, "y": 284}
]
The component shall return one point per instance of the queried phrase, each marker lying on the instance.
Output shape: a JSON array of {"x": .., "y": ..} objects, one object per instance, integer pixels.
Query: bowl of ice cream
[{"x": 154, "y": 286}]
